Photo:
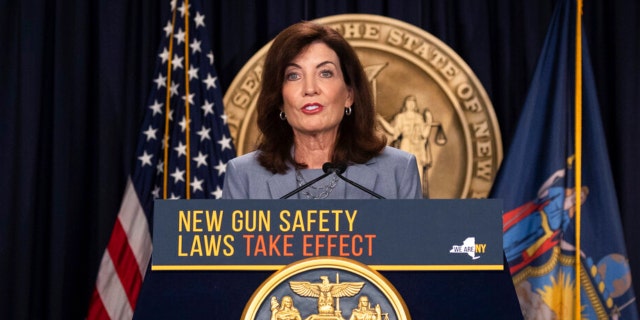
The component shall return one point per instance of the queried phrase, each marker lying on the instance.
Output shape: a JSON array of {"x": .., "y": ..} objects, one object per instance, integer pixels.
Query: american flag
[{"x": 185, "y": 114}]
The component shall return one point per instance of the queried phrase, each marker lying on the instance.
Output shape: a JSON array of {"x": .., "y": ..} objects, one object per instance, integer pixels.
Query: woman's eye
[
  {"x": 292, "y": 76},
  {"x": 326, "y": 74}
]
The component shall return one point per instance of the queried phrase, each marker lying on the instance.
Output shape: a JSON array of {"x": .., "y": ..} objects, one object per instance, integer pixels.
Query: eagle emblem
[{"x": 326, "y": 292}]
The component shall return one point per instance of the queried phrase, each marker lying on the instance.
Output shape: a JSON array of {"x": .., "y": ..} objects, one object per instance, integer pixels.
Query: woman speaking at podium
[{"x": 317, "y": 122}]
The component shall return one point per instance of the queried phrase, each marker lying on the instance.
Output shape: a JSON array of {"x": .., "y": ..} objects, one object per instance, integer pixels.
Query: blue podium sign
[{"x": 384, "y": 234}]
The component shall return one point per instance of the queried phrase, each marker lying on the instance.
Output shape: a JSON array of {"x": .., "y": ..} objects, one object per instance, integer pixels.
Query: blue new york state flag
[{"x": 537, "y": 183}]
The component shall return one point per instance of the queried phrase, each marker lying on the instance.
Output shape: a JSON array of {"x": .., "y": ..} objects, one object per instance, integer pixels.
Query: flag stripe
[
  {"x": 134, "y": 222},
  {"x": 96, "y": 308},
  {"x": 111, "y": 292},
  {"x": 125, "y": 263},
  {"x": 130, "y": 246}
]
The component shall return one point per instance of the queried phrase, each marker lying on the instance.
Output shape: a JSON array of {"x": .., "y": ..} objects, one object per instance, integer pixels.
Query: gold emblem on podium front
[
  {"x": 326, "y": 288},
  {"x": 428, "y": 102}
]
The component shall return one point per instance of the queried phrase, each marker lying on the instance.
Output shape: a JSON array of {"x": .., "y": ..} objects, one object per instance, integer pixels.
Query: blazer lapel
[
  {"x": 363, "y": 175},
  {"x": 281, "y": 184}
]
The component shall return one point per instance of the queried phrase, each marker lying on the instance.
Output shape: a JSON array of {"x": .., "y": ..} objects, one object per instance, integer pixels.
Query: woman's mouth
[{"x": 312, "y": 108}]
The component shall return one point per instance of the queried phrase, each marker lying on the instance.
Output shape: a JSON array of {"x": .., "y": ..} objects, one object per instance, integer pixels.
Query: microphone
[
  {"x": 331, "y": 167},
  {"x": 340, "y": 168}
]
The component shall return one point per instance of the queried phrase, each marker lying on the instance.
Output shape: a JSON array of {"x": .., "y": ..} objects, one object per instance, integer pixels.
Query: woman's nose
[{"x": 310, "y": 86}]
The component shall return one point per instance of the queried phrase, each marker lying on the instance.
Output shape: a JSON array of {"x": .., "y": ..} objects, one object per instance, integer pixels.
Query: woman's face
[{"x": 314, "y": 92}]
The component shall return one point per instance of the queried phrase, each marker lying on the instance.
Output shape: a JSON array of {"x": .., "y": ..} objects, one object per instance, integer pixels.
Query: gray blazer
[{"x": 393, "y": 174}]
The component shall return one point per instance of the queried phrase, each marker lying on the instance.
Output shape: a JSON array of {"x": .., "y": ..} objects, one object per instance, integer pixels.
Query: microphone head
[
  {"x": 328, "y": 167},
  {"x": 332, "y": 167}
]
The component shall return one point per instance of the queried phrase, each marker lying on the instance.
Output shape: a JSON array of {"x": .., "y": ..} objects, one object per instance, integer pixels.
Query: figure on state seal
[
  {"x": 410, "y": 130},
  {"x": 365, "y": 312},
  {"x": 284, "y": 311}
]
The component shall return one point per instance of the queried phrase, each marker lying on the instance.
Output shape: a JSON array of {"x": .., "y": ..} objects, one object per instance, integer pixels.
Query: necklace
[{"x": 324, "y": 190}]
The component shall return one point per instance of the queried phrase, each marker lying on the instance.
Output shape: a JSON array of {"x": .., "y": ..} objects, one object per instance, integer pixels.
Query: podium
[{"x": 443, "y": 257}]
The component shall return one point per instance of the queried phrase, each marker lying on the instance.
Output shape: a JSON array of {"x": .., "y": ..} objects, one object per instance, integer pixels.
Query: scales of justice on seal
[{"x": 429, "y": 103}]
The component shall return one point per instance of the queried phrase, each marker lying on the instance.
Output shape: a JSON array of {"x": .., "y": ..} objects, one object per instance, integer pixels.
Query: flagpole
[
  {"x": 167, "y": 109},
  {"x": 186, "y": 102},
  {"x": 578, "y": 151}
]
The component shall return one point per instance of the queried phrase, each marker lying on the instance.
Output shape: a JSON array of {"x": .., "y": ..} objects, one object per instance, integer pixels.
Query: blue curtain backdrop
[{"x": 75, "y": 75}]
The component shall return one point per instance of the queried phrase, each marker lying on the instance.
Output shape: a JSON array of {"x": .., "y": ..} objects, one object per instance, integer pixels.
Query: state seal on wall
[{"x": 428, "y": 102}]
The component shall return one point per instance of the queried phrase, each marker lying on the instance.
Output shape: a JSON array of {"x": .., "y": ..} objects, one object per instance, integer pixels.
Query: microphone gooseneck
[
  {"x": 329, "y": 168},
  {"x": 339, "y": 169},
  {"x": 306, "y": 185}
]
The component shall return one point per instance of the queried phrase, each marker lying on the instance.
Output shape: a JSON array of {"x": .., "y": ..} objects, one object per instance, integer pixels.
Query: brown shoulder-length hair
[{"x": 358, "y": 140}]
